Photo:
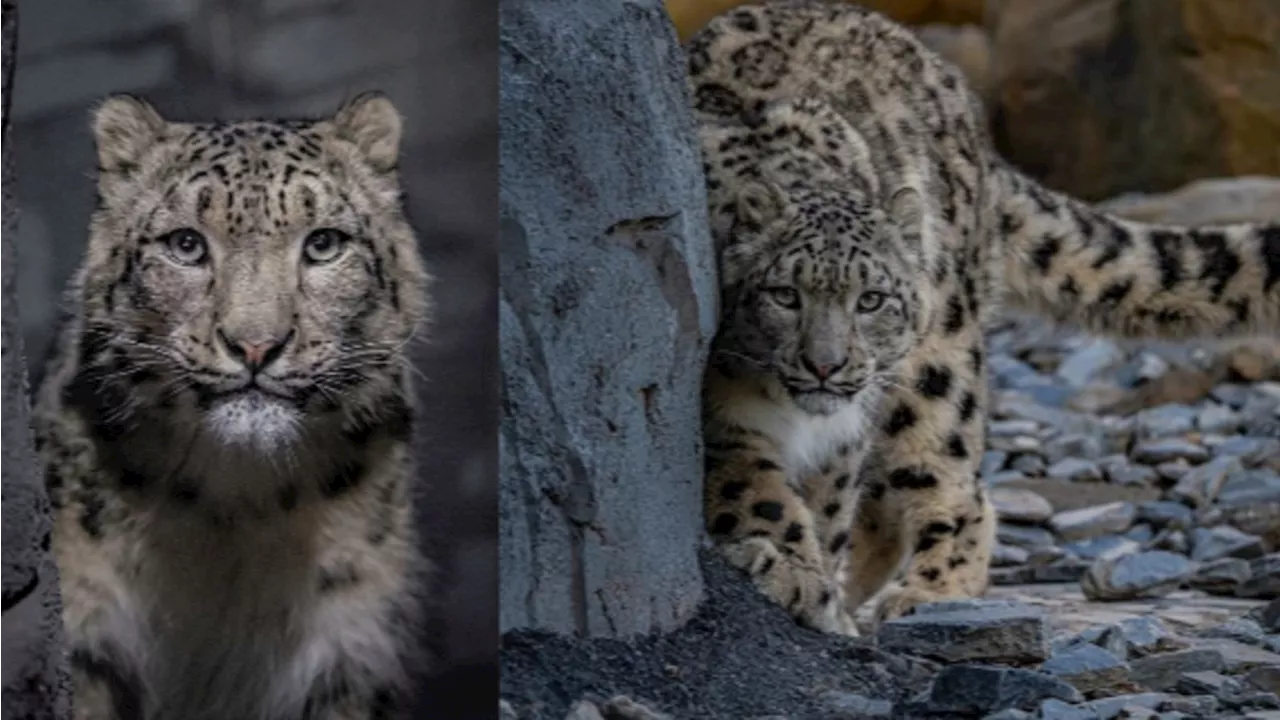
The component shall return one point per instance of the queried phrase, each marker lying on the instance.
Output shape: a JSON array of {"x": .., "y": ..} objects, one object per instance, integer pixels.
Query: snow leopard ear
[
  {"x": 759, "y": 203},
  {"x": 906, "y": 207},
  {"x": 124, "y": 127},
  {"x": 373, "y": 125}
]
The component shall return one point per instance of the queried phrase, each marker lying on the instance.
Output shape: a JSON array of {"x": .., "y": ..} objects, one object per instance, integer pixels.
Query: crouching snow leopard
[
  {"x": 865, "y": 230},
  {"x": 225, "y": 422}
]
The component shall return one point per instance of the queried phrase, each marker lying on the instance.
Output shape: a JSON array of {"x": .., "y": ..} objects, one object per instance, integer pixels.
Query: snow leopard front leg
[
  {"x": 763, "y": 526},
  {"x": 922, "y": 511}
]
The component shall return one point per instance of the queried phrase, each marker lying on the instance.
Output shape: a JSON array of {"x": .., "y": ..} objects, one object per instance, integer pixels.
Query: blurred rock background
[{"x": 245, "y": 58}]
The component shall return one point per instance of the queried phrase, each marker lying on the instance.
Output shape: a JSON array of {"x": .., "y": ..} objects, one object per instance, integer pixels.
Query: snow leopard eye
[
  {"x": 324, "y": 246},
  {"x": 784, "y": 296},
  {"x": 870, "y": 301},
  {"x": 186, "y": 246}
]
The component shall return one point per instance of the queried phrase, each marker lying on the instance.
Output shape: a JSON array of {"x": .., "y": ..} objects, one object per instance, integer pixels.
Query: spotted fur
[
  {"x": 225, "y": 422},
  {"x": 866, "y": 231}
]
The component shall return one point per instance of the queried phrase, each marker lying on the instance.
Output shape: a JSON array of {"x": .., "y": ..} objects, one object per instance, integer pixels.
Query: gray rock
[
  {"x": 1024, "y": 536},
  {"x": 1172, "y": 540},
  {"x": 1172, "y": 471},
  {"x": 1009, "y": 714},
  {"x": 1269, "y": 616},
  {"x": 1089, "y": 522},
  {"x": 1012, "y": 428},
  {"x": 1224, "y": 541},
  {"x": 1140, "y": 533},
  {"x": 1200, "y": 486},
  {"x": 1089, "y": 668},
  {"x": 1264, "y": 678},
  {"x": 607, "y": 271},
  {"x": 991, "y": 634},
  {"x": 1120, "y": 471},
  {"x": 1020, "y": 505},
  {"x": 1057, "y": 710},
  {"x": 1239, "y": 629},
  {"x": 1074, "y": 470},
  {"x": 1016, "y": 444},
  {"x": 857, "y": 707},
  {"x": 1072, "y": 445},
  {"x": 1154, "y": 452},
  {"x": 1090, "y": 361},
  {"x": 1107, "y": 546},
  {"x": 993, "y": 461},
  {"x": 1250, "y": 487},
  {"x": 1162, "y": 671},
  {"x": 1046, "y": 554},
  {"x": 1190, "y": 706},
  {"x": 1162, "y": 514},
  {"x": 1008, "y": 555},
  {"x": 1237, "y": 657},
  {"x": 971, "y": 605},
  {"x": 1264, "y": 579},
  {"x": 1232, "y": 395},
  {"x": 1004, "y": 477},
  {"x": 1207, "y": 682},
  {"x": 1030, "y": 465},
  {"x": 1140, "y": 636},
  {"x": 970, "y": 690},
  {"x": 1141, "y": 575},
  {"x": 1220, "y": 577},
  {"x": 1112, "y": 707},
  {"x": 1218, "y": 419},
  {"x": 1165, "y": 421},
  {"x": 1252, "y": 451},
  {"x": 1068, "y": 569}
]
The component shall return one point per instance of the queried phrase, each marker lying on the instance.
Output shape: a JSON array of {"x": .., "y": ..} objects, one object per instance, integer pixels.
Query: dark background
[{"x": 230, "y": 59}]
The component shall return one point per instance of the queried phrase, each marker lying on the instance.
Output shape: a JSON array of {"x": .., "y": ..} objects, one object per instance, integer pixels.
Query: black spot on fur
[
  {"x": 902, "y": 418},
  {"x": 733, "y": 489},
  {"x": 968, "y": 406},
  {"x": 1042, "y": 255},
  {"x": 956, "y": 561},
  {"x": 838, "y": 542},
  {"x": 908, "y": 479},
  {"x": 1269, "y": 238},
  {"x": 1218, "y": 264},
  {"x": 794, "y": 534},
  {"x": 1167, "y": 245},
  {"x": 724, "y": 524},
  {"x": 91, "y": 507},
  {"x": 975, "y": 359},
  {"x": 831, "y": 509},
  {"x": 766, "y": 465},
  {"x": 956, "y": 447},
  {"x": 930, "y": 574},
  {"x": 1115, "y": 293},
  {"x": 767, "y": 510},
  {"x": 842, "y": 481},
  {"x": 934, "y": 382},
  {"x": 876, "y": 491}
]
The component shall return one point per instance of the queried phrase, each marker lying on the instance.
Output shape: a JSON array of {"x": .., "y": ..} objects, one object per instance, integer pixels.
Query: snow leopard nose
[
  {"x": 256, "y": 354},
  {"x": 823, "y": 370}
]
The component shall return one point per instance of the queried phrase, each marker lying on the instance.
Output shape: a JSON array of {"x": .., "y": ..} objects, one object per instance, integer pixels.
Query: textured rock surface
[
  {"x": 608, "y": 303},
  {"x": 991, "y": 633},
  {"x": 1148, "y": 574},
  {"x": 1099, "y": 97},
  {"x": 34, "y": 674}
]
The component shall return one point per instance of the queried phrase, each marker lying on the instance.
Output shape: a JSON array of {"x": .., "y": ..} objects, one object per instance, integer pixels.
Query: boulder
[
  {"x": 36, "y": 682},
  {"x": 607, "y": 307},
  {"x": 1103, "y": 97}
]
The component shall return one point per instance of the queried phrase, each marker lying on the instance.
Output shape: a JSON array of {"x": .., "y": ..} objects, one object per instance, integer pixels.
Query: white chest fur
[{"x": 808, "y": 441}]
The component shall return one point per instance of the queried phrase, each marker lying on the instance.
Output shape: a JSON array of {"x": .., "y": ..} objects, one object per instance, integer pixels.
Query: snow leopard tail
[{"x": 1078, "y": 265}]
